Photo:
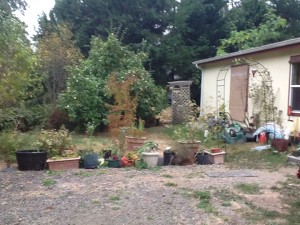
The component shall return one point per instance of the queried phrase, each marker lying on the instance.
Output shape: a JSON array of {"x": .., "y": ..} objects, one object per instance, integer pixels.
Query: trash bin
[{"x": 168, "y": 155}]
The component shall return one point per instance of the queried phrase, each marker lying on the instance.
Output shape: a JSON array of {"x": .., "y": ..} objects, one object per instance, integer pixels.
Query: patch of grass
[
  {"x": 201, "y": 194},
  {"x": 114, "y": 198},
  {"x": 226, "y": 203},
  {"x": 167, "y": 176},
  {"x": 115, "y": 208},
  {"x": 226, "y": 195},
  {"x": 96, "y": 202},
  {"x": 139, "y": 165},
  {"x": 204, "y": 197},
  {"x": 54, "y": 173},
  {"x": 48, "y": 182},
  {"x": 156, "y": 168},
  {"x": 261, "y": 215},
  {"x": 248, "y": 188},
  {"x": 170, "y": 184},
  {"x": 290, "y": 196},
  {"x": 206, "y": 206},
  {"x": 241, "y": 156},
  {"x": 83, "y": 174}
]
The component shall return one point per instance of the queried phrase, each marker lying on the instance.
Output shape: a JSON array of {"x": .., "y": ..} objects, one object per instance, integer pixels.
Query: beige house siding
[{"x": 276, "y": 61}]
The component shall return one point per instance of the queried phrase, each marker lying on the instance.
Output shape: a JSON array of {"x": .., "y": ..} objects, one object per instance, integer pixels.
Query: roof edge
[{"x": 249, "y": 51}]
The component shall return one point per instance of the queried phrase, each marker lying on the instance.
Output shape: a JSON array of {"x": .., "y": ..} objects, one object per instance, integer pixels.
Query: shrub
[{"x": 87, "y": 95}]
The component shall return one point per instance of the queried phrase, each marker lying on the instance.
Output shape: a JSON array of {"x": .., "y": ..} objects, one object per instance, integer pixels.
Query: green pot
[{"x": 113, "y": 163}]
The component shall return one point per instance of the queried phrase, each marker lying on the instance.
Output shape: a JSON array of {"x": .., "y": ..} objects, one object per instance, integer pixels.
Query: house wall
[{"x": 276, "y": 61}]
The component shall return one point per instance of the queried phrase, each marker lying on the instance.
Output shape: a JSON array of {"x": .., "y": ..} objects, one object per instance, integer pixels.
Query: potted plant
[
  {"x": 149, "y": 152},
  {"x": 129, "y": 159},
  {"x": 135, "y": 135},
  {"x": 90, "y": 159},
  {"x": 188, "y": 143},
  {"x": 113, "y": 159},
  {"x": 57, "y": 143},
  {"x": 202, "y": 158},
  {"x": 10, "y": 143}
]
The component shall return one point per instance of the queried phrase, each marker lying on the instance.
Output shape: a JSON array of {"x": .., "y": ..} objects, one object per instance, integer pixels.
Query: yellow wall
[{"x": 277, "y": 62}]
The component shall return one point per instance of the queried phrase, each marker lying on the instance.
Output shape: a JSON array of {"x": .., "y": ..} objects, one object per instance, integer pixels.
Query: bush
[{"x": 86, "y": 97}]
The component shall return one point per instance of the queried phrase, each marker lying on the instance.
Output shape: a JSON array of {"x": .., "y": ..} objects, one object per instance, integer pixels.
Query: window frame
[{"x": 294, "y": 60}]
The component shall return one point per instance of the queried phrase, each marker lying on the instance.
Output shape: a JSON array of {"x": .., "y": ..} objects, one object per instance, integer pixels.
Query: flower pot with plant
[
  {"x": 90, "y": 159},
  {"x": 149, "y": 152},
  {"x": 188, "y": 136},
  {"x": 135, "y": 136},
  {"x": 57, "y": 143},
  {"x": 129, "y": 159},
  {"x": 10, "y": 145}
]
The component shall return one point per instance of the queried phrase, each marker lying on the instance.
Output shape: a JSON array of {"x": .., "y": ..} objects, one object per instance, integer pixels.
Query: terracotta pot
[
  {"x": 133, "y": 142},
  {"x": 63, "y": 164},
  {"x": 191, "y": 149},
  {"x": 215, "y": 150}
]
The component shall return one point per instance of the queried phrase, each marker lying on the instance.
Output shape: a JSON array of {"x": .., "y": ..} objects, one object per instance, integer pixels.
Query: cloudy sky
[{"x": 34, "y": 9}]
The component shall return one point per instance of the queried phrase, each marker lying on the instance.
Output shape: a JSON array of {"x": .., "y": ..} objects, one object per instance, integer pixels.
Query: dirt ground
[
  {"x": 193, "y": 194},
  {"x": 164, "y": 195}
]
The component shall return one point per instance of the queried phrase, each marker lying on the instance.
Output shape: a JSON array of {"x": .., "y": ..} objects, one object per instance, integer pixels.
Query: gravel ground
[{"x": 129, "y": 196}]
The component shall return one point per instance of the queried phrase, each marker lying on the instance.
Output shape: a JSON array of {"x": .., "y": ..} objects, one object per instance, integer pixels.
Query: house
[{"x": 229, "y": 79}]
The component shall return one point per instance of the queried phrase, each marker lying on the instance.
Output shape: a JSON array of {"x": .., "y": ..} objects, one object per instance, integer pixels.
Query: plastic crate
[{"x": 280, "y": 144}]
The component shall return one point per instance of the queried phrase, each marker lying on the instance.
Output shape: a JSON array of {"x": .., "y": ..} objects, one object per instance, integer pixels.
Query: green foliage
[
  {"x": 53, "y": 141},
  {"x": 87, "y": 92},
  {"x": 268, "y": 31},
  {"x": 149, "y": 146},
  {"x": 48, "y": 182},
  {"x": 8, "y": 147},
  {"x": 248, "y": 188},
  {"x": 139, "y": 164},
  {"x": 56, "y": 52},
  {"x": 170, "y": 184},
  {"x": 18, "y": 80},
  {"x": 24, "y": 117}
]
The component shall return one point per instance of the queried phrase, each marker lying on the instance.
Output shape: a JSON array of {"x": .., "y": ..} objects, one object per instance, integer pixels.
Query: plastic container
[
  {"x": 202, "y": 159},
  {"x": 31, "y": 159},
  {"x": 168, "y": 154},
  {"x": 280, "y": 144}
]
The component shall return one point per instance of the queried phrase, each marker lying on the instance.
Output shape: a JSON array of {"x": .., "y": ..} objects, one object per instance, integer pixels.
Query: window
[{"x": 294, "y": 95}]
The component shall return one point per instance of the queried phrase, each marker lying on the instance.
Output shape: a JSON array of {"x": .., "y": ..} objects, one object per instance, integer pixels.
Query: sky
[{"x": 34, "y": 9}]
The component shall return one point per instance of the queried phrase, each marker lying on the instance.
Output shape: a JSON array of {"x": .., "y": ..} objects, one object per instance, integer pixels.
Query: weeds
[
  {"x": 248, "y": 188},
  {"x": 114, "y": 198},
  {"x": 170, "y": 184},
  {"x": 49, "y": 182},
  {"x": 83, "y": 174},
  {"x": 240, "y": 156},
  {"x": 204, "y": 197},
  {"x": 167, "y": 176}
]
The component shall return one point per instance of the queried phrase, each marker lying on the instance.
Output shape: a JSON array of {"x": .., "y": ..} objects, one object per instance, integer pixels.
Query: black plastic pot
[
  {"x": 31, "y": 159},
  {"x": 203, "y": 158},
  {"x": 168, "y": 157},
  {"x": 90, "y": 161}
]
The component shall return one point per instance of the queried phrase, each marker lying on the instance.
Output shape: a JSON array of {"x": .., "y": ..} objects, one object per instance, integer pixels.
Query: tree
[
  {"x": 19, "y": 81},
  {"x": 17, "y": 63},
  {"x": 267, "y": 32},
  {"x": 289, "y": 10},
  {"x": 57, "y": 52},
  {"x": 87, "y": 95}
]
